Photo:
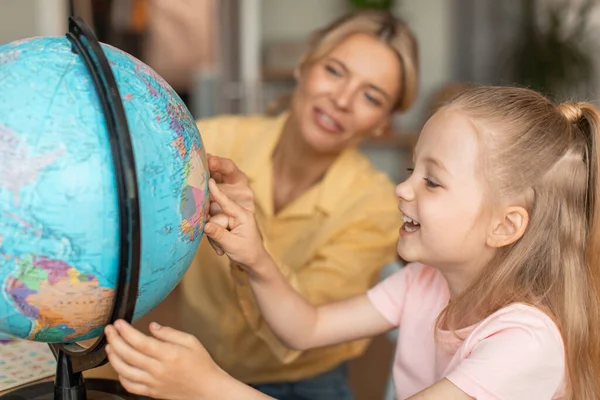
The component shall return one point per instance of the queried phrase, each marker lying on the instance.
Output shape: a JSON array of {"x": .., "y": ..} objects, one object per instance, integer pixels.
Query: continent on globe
[
  {"x": 193, "y": 200},
  {"x": 57, "y": 298},
  {"x": 60, "y": 237},
  {"x": 17, "y": 169}
]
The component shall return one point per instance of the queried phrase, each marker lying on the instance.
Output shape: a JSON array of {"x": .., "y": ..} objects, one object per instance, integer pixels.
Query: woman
[{"x": 327, "y": 217}]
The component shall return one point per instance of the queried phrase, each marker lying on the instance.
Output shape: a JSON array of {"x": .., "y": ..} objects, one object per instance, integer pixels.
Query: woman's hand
[
  {"x": 234, "y": 183},
  {"x": 237, "y": 235},
  {"x": 169, "y": 364}
]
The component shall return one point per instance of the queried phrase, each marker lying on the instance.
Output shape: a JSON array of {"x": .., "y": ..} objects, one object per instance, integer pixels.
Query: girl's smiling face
[{"x": 446, "y": 221}]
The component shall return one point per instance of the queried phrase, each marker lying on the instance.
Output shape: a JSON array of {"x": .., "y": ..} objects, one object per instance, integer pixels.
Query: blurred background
[{"x": 237, "y": 56}]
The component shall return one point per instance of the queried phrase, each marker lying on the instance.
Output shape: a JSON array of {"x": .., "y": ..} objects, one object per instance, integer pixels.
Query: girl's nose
[{"x": 405, "y": 191}]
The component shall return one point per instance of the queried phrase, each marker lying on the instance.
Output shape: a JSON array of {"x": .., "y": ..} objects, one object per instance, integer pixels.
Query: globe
[{"x": 59, "y": 210}]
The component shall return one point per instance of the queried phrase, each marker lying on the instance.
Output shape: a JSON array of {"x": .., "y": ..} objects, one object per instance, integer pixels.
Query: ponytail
[{"x": 584, "y": 374}]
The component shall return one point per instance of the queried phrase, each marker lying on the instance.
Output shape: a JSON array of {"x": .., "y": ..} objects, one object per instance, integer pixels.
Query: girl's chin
[{"x": 407, "y": 252}]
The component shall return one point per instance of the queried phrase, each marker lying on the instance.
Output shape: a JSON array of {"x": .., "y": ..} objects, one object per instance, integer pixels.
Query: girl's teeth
[
  {"x": 409, "y": 220},
  {"x": 409, "y": 228}
]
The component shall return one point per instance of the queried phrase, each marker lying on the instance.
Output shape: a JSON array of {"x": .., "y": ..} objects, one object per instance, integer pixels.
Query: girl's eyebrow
[
  {"x": 434, "y": 161},
  {"x": 437, "y": 163}
]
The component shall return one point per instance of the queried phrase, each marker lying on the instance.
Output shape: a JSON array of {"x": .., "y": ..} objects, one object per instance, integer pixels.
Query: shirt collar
[{"x": 325, "y": 195}]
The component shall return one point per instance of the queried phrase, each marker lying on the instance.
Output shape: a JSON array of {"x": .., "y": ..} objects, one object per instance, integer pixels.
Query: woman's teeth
[{"x": 328, "y": 121}]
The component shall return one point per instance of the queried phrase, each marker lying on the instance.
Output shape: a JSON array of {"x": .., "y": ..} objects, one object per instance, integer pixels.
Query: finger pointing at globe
[
  {"x": 235, "y": 184},
  {"x": 240, "y": 239}
]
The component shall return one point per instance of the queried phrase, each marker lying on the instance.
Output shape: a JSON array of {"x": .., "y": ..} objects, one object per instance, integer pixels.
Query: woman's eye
[
  {"x": 372, "y": 99},
  {"x": 431, "y": 184},
  {"x": 332, "y": 70}
]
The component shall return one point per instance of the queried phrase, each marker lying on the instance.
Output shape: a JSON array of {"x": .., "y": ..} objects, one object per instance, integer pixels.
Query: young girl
[{"x": 501, "y": 298}]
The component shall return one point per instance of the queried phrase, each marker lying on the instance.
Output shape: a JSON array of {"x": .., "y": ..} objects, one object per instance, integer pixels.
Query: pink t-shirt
[{"x": 516, "y": 353}]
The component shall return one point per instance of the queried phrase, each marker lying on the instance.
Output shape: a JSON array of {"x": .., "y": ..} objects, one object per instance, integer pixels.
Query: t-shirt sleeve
[
  {"x": 389, "y": 296},
  {"x": 515, "y": 355}
]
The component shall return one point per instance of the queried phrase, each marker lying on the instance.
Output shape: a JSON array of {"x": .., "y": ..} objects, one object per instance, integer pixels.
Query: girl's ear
[{"x": 509, "y": 228}]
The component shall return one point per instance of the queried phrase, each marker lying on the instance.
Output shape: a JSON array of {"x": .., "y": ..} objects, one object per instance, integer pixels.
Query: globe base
[{"x": 94, "y": 389}]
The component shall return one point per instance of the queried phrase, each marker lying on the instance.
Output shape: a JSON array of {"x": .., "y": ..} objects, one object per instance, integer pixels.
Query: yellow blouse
[{"x": 330, "y": 243}]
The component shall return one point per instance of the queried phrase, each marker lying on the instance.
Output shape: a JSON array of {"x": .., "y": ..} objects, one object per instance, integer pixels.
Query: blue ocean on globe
[{"x": 59, "y": 222}]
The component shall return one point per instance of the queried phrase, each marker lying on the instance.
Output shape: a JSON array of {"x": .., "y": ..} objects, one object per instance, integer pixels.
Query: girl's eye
[
  {"x": 428, "y": 182},
  {"x": 431, "y": 184}
]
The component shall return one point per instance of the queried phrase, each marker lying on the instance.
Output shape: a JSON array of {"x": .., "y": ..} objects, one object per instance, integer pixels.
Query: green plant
[
  {"x": 553, "y": 54},
  {"x": 372, "y": 4}
]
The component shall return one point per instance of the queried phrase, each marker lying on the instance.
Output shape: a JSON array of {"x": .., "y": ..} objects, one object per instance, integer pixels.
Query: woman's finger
[
  {"x": 217, "y": 177},
  {"x": 227, "y": 205},
  {"x": 227, "y": 169}
]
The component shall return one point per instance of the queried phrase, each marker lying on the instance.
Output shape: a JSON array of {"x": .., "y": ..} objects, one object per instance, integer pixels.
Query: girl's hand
[
  {"x": 234, "y": 183},
  {"x": 169, "y": 364},
  {"x": 238, "y": 235}
]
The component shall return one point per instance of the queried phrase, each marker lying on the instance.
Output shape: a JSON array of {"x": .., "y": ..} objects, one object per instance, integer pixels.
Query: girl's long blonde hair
[
  {"x": 379, "y": 24},
  {"x": 550, "y": 154}
]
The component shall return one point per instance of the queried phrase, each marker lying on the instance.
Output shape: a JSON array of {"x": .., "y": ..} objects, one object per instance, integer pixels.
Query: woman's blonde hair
[
  {"x": 549, "y": 154},
  {"x": 381, "y": 25}
]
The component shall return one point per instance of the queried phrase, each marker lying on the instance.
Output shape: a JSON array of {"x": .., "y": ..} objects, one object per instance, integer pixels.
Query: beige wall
[{"x": 25, "y": 18}]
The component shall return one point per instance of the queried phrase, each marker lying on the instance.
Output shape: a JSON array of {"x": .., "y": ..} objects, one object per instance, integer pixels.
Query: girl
[{"x": 501, "y": 298}]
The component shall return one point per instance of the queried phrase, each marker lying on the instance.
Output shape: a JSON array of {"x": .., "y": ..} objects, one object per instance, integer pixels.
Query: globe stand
[{"x": 72, "y": 359}]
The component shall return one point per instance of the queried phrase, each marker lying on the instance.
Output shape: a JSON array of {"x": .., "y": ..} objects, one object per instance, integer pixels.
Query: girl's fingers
[
  {"x": 218, "y": 234},
  {"x": 124, "y": 369},
  {"x": 170, "y": 335},
  {"x": 214, "y": 208},
  {"x": 124, "y": 351},
  {"x": 143, "y": 344},
  {"x": 220, "y": 219},
  {"x": 136, "y": 387},
  {"x": 215, "y": 247}
]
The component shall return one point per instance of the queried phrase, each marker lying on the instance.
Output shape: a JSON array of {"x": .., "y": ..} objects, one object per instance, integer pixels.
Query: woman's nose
[{"x": 342, "y": 96}]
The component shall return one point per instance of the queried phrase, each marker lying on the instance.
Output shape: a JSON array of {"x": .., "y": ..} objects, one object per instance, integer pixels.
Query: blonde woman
[{"x": 327, "y": 216}]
